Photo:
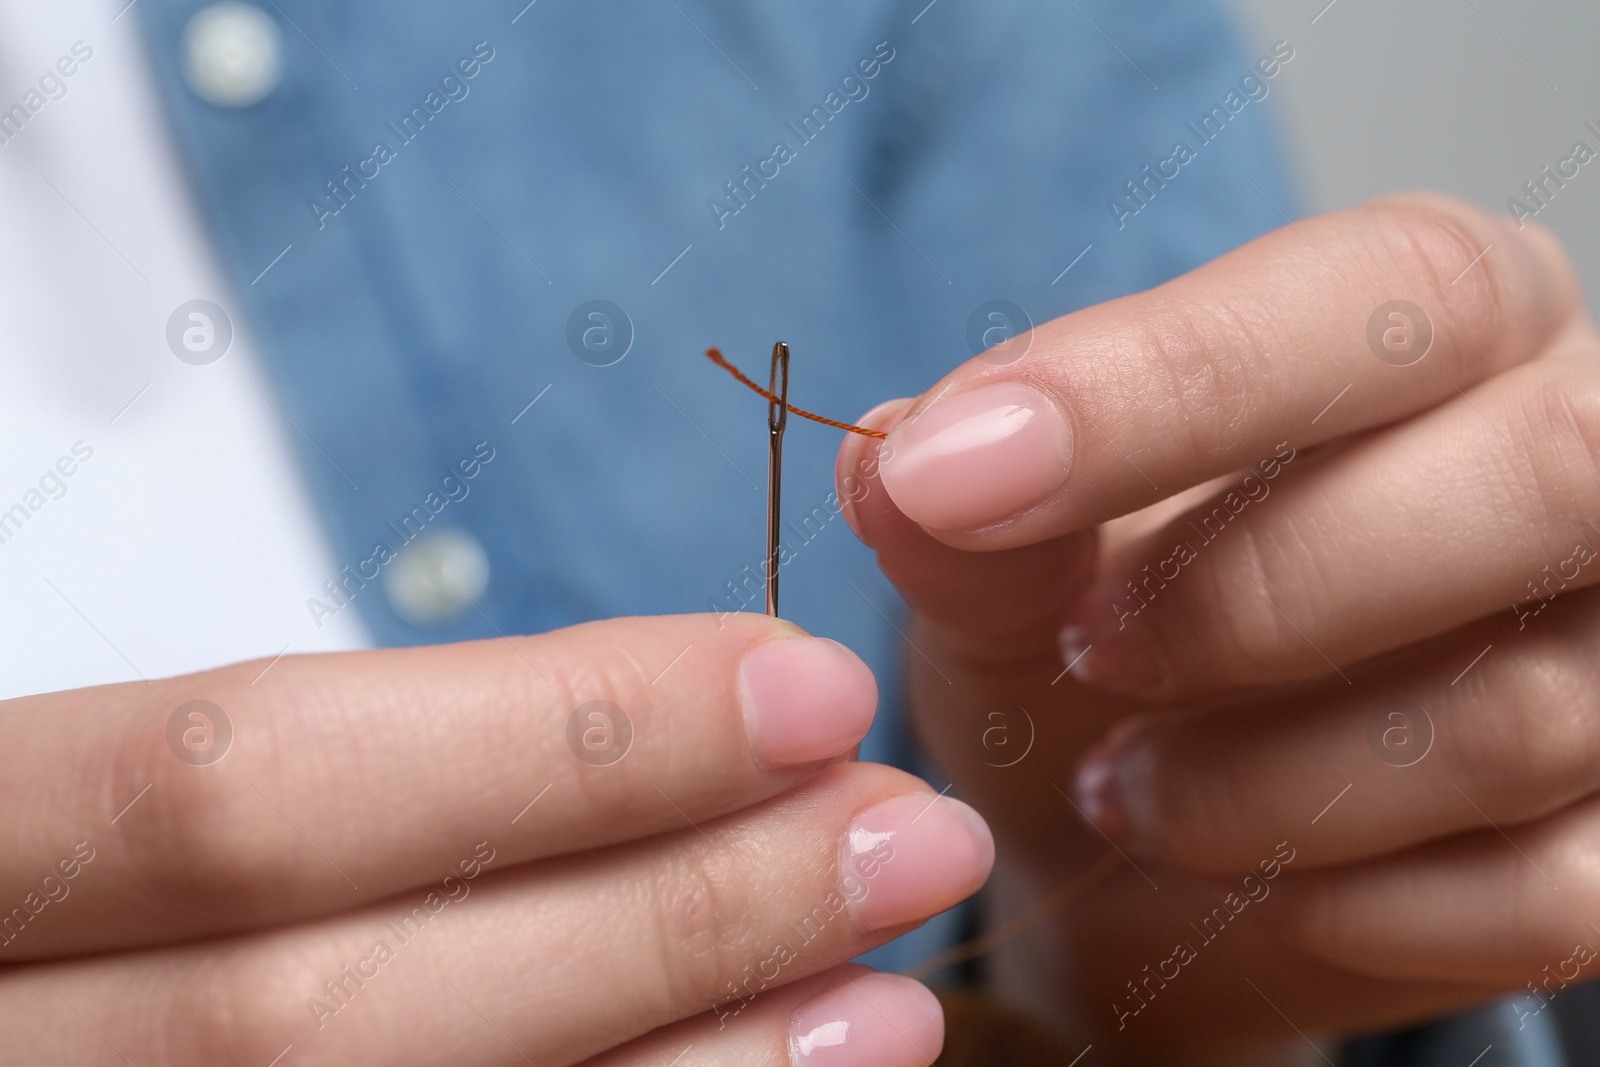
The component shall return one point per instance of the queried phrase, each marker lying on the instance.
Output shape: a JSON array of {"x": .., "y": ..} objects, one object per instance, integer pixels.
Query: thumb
[{"x": 1007, "y": 603}]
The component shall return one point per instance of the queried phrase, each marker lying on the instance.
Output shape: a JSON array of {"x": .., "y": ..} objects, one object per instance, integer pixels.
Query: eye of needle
[{"x": 778, "y": 409}]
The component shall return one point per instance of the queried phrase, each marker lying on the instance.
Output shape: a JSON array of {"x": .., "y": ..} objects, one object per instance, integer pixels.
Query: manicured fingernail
[
  {"x": 1076, "y": 643},
  {"x": 975, "y": 458},
  {"x": 1096, "y": 787},
  {"x": 876, "y": 1020},
  {"x": 914, "y": 857},
  {"x": 1111, "y": 650},
  {"x": 805, "y": 699},
  {"x": 1109, "y": 786}
]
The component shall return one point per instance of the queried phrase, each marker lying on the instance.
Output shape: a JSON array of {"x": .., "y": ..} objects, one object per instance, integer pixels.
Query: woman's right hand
[
  {"x": 1083, "y": 529},
  {"x": 624, "y": 839}
]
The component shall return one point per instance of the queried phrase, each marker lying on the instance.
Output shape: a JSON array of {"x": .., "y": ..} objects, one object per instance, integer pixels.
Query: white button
[
  {"x": 233, "y": 54},
  {"x": 436, "y": 577}
]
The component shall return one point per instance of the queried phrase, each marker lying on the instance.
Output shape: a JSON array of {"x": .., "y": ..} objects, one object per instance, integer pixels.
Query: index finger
[
  {"x": 342, "y": 779},
  {"x": 1326, "y": 327}
]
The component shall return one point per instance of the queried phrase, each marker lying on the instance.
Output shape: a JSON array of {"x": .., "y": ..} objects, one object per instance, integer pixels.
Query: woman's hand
[
  {"x": 632, "y": 833},
  {"x": 1314, "y": 528}
]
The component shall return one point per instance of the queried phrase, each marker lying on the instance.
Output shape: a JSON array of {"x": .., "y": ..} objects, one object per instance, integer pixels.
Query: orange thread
[{"x": 717, "y": 358}]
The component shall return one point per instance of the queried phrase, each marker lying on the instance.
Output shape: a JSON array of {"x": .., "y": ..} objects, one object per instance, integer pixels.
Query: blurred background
[{"x": 1469, "y": 96}]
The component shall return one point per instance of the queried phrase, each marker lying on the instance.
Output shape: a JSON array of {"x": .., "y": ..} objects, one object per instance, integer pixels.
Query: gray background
[{"x": 1471, "y": 97}]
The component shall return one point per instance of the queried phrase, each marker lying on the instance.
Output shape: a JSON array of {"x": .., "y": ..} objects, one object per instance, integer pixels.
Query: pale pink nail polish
[
  {"x": 975, "y": 458},
  {"x": 1076, "y": 643},
  {"x": 1095, "y": 788},
  {"x": 1107, "y": 644},
  {"x": 874, "y": 1020},
  {"x": 1113, "y": 784},
  {"x": 913, "y": 857},
  {"x": 805, "y": 699}
]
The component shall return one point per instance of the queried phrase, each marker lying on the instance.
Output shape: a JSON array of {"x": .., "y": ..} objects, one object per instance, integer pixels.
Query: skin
[
  {"x": 586, "y": 907},
  {"x": 219, "y": 898},
  {"x": 1238, "y": 700}
]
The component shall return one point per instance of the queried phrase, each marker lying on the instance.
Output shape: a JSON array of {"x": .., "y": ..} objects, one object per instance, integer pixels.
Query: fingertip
[
  {"x": 1554, "y": 257},
  {"x": 921, "y": 855},
  {"x": 856, "y": 470},
  {"x": 974, "y": 459},
  {"x": 868, "y": 1020},
  {"x": 1106, "y": 776},
  {"x": 1555, "y": 290},
  {"x": 805, "y": 699}
]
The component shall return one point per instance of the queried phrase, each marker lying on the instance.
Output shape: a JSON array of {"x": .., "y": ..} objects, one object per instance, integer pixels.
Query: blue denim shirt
[{"x": 418, "y": 219}]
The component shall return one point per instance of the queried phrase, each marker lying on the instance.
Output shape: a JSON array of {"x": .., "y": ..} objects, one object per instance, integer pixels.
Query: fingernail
[
  {"x": 876, "y": 1020},
  {"x": 975, "y": 458},
  {"x": 1109, "y": 786},
  {"x": 915, "y": 856},
  {"x": 1111, "y": 650},
  {"x": 1112, "y": 662},
  {"x": 805, "y": 699},
  {"x": 1096, "y": 787},
  {"x": 1076, "y": 643}
]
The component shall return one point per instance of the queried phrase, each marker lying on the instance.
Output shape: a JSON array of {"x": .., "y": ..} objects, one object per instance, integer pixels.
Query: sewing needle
[{"x": 777, "y": 419}]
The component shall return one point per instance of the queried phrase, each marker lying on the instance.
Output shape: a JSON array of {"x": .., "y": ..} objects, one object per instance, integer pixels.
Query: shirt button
[
  {"x": 435, "y": 578},
  {"x": 232, "y": 54}
]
